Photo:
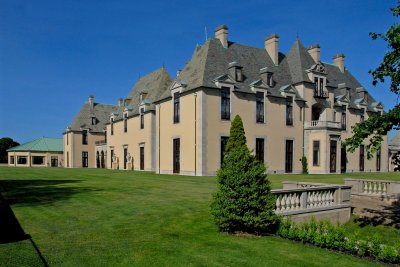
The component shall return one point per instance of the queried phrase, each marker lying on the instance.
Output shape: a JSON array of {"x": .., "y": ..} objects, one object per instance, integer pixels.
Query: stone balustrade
[
  {"x": 322, "y": 124},
  {"x": 384, "y": 189},
  {"x": 318, "y": 200}
]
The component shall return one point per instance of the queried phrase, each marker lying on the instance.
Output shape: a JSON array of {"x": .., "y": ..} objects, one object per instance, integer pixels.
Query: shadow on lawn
[
  {"x": 39, "y": 192},
  {"x": 388, "y": 215}
]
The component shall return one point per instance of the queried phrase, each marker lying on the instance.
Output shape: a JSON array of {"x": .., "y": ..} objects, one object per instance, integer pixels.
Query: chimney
[
  {"x": 271, "y": 45},
  {"x": 315, "y": 52},
  {"x": 221, "y": 33},
  {"x": 91, "y": 102},
  {"x": 338, "y": 60},
  {"x": 120, "y": 102}
]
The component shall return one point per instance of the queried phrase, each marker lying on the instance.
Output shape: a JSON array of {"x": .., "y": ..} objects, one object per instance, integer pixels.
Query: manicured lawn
[{"x": 81, "y": 217}]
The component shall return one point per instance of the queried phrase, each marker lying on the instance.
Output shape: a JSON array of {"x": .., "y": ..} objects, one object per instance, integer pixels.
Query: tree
[
  {"x": 244, "y": 201},
  {"x": 6, "y": 143},
  {"x": 376, "y": 126}
]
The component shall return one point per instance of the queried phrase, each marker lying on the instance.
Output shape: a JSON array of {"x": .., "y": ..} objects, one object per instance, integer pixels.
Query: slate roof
[
  {"x": 43, "y": 144},
  {"x": 83, "y": 120},
  {"x": 211, "y": 60}
]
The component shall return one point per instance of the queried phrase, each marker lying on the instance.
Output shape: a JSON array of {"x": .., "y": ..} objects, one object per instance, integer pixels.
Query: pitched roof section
[
  {"x": 153, "y": 84},
  {"x": 83, "y": 120},
  {"x": 298, "y": 61},
  {"x": 43, "y": 144}
]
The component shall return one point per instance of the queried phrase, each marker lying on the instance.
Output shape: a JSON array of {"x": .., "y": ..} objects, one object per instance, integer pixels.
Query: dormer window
[
  {"x": 270, "y": 82},
  {"x": 319, "y": 87},
  {"x": 142, "y": 96},
  {"x": 239, "y": 74},
  {"x": 125, "y": 122},
  {"x": 94, "y": 120}
]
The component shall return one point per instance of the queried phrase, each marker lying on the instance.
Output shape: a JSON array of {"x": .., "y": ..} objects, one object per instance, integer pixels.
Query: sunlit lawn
[{"x": 89, "y": 217}]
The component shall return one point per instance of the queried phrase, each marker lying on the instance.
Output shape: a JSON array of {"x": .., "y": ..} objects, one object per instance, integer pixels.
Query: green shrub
[
  {"x": 304, "y": 164},
  {"x": 325, "y": 234},
  {"x": 244, "y": 201}
]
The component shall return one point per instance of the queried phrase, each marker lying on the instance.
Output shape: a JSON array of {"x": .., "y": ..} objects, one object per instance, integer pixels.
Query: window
[
  {"x": 176, "y": 107},
  {"x": 239, "y": 74},
  {"x": 112, "y": 157},
  {"x": 362, "y": 115},
  {"x": 334, "y": 116},
  {"x": 270, "y": 82},
  {"x": 67, "y": 138},
  {"x": 84, "y": 137},
  {"x": 362, "y": 158},
  {"x": 289, "y": 156},
  {"x": 378, "y": 160},
  {"x": 316, "y": 154},
  {"x": 343, "y": 121},
  {"x": 289, "y": 110},
  {"x": 112, "y": 126},
  {"x": 54, "y": 161},
  {"x": 260, "y": 107},
  {"x": 260, "y": 149},
  {"x": 224, "y": 141},
  {"x": 142, "y": 158},
  {"x": 36, "y": 160},
  {"x": 125, "y": 157},
  {"x": 94, "y": 120},
  {"x": 176, "y": 155},
  {"x": 125, "y": 122},
  {"x": 105, "y": 137},
  {"x": 333, "y": 156},
  {"x": 142, "y": 118},
  {"x": 85, "y": 161},
  {"x": 301, "y": 113},
  {"x": 22, "y": 160},
  {"x": 225, "y": 103},
  {"x": 319, "y": 88},
  {"x": 67, "y": 159},
  {"x": 12, "y": 161}
]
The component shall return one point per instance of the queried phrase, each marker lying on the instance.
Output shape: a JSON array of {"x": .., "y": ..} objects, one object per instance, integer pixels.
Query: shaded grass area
[{"x": 83, "y": 217}]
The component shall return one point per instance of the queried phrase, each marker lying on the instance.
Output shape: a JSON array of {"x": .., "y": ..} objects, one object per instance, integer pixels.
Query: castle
[{"x": 292, "y": 105}]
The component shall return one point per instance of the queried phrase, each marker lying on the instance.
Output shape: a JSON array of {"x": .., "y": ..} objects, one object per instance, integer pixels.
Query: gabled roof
[
  {"x": 299, "y": 60},
  {"x": 83, "y": 120},
  {"x": 43, "y": 144}
]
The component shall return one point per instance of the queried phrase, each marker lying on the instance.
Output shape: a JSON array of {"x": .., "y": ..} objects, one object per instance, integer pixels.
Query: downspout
[
  {"x": 159, "y": 139},
  {"x": 195, "y": 134}
]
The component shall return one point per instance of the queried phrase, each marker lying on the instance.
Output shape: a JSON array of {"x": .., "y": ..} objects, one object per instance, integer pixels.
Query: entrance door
[
  {"x": 54, "y": 162},
  {"x": 333, "y": 156},
  {"x": 289, "y": 156},
  {"x": 176, "y": 155},
  {"x": 142, "y": 158},
  {"x": 343, "y": 159},
  {"x": 125, "y": 155}
]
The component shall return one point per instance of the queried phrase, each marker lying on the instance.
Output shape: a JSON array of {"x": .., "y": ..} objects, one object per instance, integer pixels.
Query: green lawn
[{"x": 81, "y": 217}]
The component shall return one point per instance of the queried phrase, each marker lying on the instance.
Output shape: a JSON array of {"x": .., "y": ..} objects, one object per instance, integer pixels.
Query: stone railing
[
  {"x": 294, "y": 184},
  {"x": 379, "y": 188},
  {"x": 322, "y": 124},
  {"x": 100, "y": 143},
  {"x": 318, "y": 200}
]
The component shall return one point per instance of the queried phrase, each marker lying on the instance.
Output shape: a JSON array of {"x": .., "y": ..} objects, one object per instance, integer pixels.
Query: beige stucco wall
[
  {"x": 133, "y": 139},
  {"x": 167, "y": 130},
  {"x": 47, "y": 158},
  {"x": 75, "y": 148}
]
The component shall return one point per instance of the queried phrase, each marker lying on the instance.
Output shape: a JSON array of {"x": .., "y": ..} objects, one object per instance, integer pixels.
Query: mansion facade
[{"x": 292, "y": 105}]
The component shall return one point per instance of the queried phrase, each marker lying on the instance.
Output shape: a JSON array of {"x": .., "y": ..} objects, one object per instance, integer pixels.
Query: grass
[{"x": 91, "y": 217}]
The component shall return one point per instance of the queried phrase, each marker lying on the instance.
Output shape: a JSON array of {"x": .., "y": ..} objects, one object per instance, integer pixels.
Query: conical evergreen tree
[{"x": 244, "y": 201}]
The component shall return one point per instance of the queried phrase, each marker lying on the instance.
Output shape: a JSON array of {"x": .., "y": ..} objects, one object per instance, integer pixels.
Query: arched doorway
[
  {"x": 102, "y": 160},
  {"x": 316, "y": 111},
  {"x": 97, "y": 159}
]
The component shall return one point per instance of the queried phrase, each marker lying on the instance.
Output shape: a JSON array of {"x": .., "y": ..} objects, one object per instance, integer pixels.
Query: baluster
[
  {"x": 309, "y": 199},
  {"x": 365, "y": 187},
  {"x": 374, "y": 190},
  {"x": 379, "y": 188},
  {"x": 283, "y": 202},
  {"x": 325, "y": 198},
  {"x": 298, "y": 201},
  {"x": 332, "y": 197},
  {"x": 369, "y": 187},
  {"x": 319, "y": 199},
  {"x": 384, "y": 188},
  {"x": 288, "y": 202},
  {"x": 293, "y": 201},
  {"x": 278, "y": 203}
]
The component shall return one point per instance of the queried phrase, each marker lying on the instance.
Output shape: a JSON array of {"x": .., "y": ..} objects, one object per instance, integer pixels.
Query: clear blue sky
[{"x": 54, "y": 54}]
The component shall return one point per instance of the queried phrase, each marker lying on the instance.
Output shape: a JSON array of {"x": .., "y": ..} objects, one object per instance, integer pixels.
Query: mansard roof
[{"x": 83, "y": 120}]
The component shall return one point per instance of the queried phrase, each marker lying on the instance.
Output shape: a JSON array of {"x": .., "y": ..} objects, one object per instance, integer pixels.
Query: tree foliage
[
  {"x": 376, "y": 126},
  {"x": 244, "y": 201},
  {"x": 6, "y": 143}
]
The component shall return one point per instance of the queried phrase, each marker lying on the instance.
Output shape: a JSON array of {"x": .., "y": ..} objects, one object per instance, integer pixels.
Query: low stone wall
[
  {"x": 302, "y": 201},
  {"x": 386, "y": 190}
]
